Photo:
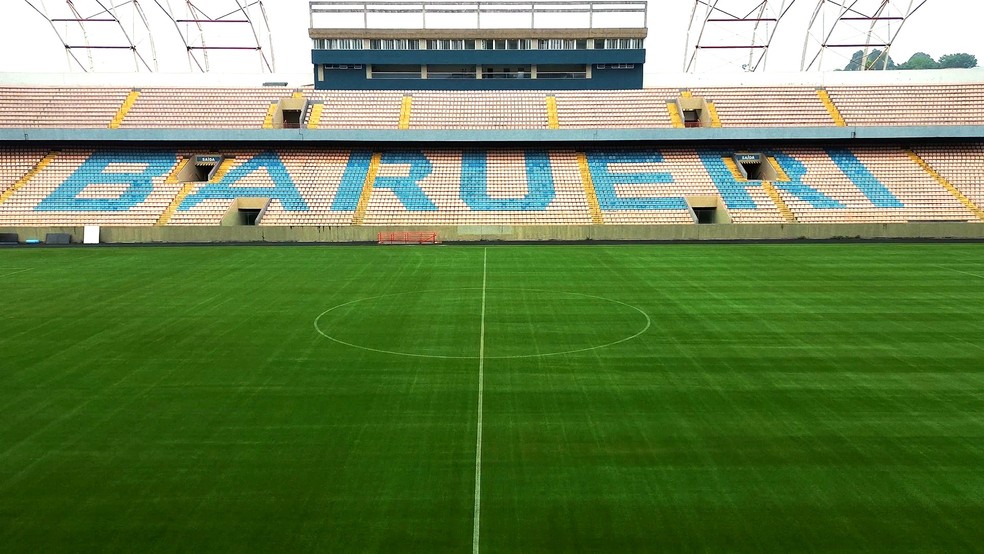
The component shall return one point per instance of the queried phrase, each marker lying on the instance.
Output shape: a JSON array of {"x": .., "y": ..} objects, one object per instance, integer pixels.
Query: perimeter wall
[{"x": 471, "y": 233}]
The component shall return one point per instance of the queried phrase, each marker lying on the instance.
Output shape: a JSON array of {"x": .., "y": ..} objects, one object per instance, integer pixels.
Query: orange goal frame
[{"x": 408, "y": 237}]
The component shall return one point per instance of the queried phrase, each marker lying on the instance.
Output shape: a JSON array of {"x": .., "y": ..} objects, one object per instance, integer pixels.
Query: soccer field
[{"x": 648, "y": 398}]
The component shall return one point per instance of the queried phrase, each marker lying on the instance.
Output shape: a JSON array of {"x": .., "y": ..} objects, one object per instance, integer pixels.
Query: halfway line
[{"x": 481, "y": 391}]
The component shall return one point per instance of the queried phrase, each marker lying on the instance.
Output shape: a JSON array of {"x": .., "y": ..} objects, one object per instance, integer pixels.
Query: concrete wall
[{"x": 472, "y": 233}]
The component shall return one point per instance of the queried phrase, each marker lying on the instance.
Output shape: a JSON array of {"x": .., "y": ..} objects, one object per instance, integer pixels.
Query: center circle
[{"x": 450, "y": 323}]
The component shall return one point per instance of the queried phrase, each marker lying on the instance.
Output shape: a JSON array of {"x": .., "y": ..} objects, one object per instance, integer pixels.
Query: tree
[
  {"x": 875, "y": 61},
  {"x": 961, "y": 60},
  {"x": 920, "y": 60}
]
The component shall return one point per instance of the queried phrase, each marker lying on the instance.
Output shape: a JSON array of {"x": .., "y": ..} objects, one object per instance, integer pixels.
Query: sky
[{"x": 29, "y": 44}]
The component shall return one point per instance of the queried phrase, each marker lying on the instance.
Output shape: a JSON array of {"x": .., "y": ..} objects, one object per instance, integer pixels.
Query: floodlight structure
[
  {"x": 852, "y": 25},
  {"x": 242, "y": 25},
  {"x": 87, "y": 27},
  {"x": 733, "y": 26}
]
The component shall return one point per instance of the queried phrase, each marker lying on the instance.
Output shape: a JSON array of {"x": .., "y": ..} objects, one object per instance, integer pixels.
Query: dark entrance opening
[
  {"x": 202, "y": 171},
  {"x": 691, "y": 118},
  {"x": 753, "y": 170},
  {"x": 292, "y": 119},
  {"x": 705, "y": 216},
  {"x": 248, "y": 216}
]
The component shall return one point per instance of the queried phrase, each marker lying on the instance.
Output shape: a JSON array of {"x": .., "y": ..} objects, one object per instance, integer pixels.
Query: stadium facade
[{"x": 480, "y": 58}]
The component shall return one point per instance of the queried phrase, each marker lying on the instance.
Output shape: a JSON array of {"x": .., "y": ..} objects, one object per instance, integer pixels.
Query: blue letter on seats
[
  {"x": 867, "y": 183},
  {"x": 475, "y": 185},
  {"x": 605, "y": 181},
  {"x": 93, "y": 172},
  {"x": 735, "y": 193},
  {"x": 350, "y": 189},
  {"x": 283, "y": 188},
  {"x": 406, "y": 188}
]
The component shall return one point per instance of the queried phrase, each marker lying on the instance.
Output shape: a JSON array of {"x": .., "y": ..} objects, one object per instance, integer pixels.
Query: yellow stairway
[
  {"x": 188, "y": 187},
  {"x": 315, "y": 119},
  {"x": 125, "y": 108},
  {"x": 780, "y": 172},
  {"x": 767, "y": 186},
  {"x": 787, "y": 214},
  {"x": 733, "y": 168},
  {"x": 675, "y": 116},
  {"x": 360, "y": 210},
  {"x": 589, "y": 189},
  {"x": 268, "y": 120},
  {"x": 713, "y": 113},
  {"x": 947, "y": 185},
  {"x": 45, "y": 161},
  {"x": 552, "y": 121},
  {"x": 406, "y": 107},
  {"x": 831, "y": 108},
  {"x": 173, "y": 206}
]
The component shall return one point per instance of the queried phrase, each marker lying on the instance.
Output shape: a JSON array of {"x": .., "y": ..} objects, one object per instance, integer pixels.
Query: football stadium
[{"x": 480, "y": 283}]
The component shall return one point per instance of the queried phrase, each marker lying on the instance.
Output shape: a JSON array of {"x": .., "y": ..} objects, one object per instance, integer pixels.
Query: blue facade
[{"x": 605, "y": 79}]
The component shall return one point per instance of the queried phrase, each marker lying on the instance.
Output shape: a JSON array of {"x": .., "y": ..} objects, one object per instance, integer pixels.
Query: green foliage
[
  {"x": 961, "y": 60},
  {"x": 920, "y": 60},
  {"x": 876, "y": 61}
]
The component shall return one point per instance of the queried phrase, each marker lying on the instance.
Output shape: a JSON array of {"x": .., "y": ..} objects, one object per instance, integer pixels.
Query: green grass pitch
[{"x": 647, "y": 398}]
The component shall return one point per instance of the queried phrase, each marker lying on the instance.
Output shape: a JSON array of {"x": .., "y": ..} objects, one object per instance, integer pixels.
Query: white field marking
[
  {"x": 481, "y": 393},
  {"x": 13, "y": 272},
  {"x": 960, "y": 271},
  {"x": 318, "y": 329}
]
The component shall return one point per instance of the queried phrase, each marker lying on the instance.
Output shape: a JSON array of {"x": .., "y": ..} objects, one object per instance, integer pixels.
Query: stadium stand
[
  {"x": 497, "y": 186},
  {"x": 223, "y": 108},
  {"x": 628, "y": 109},
  {"x": 247, "y": 108},
  {"x": 56, "y": 107},
  {"x": 478, "y": 110},
  {"x": 963, "y": 167},
  {"x": 868, "y": 185},
  {"x": 346, "y": 109},
  {"x": 895, "y": 105},
  {"x": 82, "y": 187},
  {"x": 767, "y": 106}
]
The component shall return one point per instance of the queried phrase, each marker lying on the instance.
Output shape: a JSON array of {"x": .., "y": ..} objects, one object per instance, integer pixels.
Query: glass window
[
  {"x": 508, "y": 44},
  {"x": 451, "y": 44},
  {"x": 619, "y": 43},
  {"x": 563, "y": 44},
  {"x": 338, "y": 44},
  {"x": 395, "y": 44}
]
